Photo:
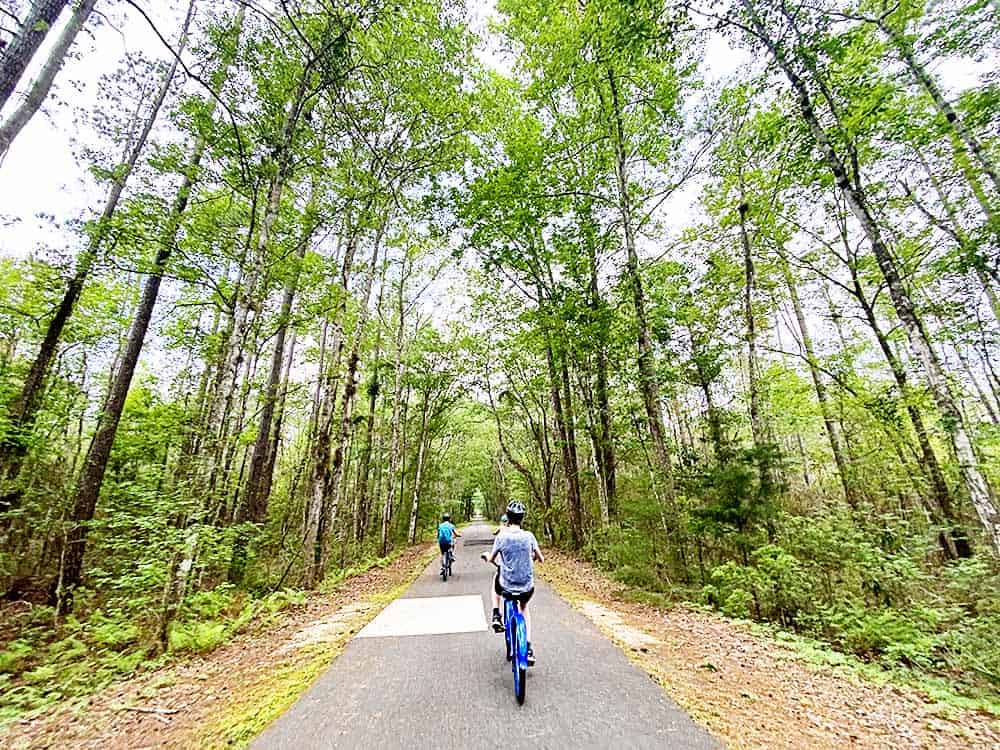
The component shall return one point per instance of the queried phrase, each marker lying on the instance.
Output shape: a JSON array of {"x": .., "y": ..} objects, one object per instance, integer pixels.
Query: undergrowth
[
  {"x": 874, "y": 600},
  {"x": 42, "y": 664}
]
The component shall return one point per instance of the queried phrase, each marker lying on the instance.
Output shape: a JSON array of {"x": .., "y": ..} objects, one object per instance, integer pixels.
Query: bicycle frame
[
  {"x": 516, "y": 636},
  {"x": 449, "y": 557}
]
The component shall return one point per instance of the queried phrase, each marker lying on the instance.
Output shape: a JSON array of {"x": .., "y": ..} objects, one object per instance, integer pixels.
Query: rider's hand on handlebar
[{"x": 485, "y": 558}]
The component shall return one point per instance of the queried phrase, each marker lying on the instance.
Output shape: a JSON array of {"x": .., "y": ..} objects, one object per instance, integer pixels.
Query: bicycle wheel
[
  {"x": 520, "y": 660},
  {"x": 508, "y": 622}
]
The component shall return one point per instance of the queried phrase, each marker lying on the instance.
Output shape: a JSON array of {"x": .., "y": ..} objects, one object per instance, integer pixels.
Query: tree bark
[
  {"x": 944, "y": 108},
  {"x": 954, "y": 541},
  {"x": 88, "y": 487},
  {"x": 757, "y": 427},
  {"x": 332, "y": 492},
  {"x": 41, "y": 86},
  {"x": 397, "y": 397},
  {"x": 411, "y": 533},
  {"x": 648, "y": 382},
  {"x": 315, "y": 520},
  {"x": 829, "y": 422},
  {"x": 257, "y": 492},
  {"x": 17, "y": 54},
  {"x": 605, "y": 448}
]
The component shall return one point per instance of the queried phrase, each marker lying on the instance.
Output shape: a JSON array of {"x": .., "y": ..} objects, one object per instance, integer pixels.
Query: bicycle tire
[
  {"x": 508, "y": 619},
  {"x": 519, "y": 663}
]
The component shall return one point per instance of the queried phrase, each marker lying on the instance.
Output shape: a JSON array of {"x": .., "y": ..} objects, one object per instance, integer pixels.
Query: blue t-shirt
[
  {"x": 517, "y": 573},
  {"x": 445, "y": 531}
]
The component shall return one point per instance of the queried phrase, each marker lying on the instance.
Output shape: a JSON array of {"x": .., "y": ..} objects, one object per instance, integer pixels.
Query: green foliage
[{"x": 197, "y": 636}]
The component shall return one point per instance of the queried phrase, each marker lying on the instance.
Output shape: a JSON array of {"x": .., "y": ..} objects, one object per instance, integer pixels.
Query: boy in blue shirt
[
  {"x": 446, "y": 534},
  {"x": 517, "y": 550}
]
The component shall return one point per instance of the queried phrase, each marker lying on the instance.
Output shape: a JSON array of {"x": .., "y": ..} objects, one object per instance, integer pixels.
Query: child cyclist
[
  {"x": 517, "y": 550},
  {"x": 446, "y": 536}
]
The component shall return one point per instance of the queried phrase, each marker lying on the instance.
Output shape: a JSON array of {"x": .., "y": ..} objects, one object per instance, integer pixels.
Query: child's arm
[
  {"x": 495, "y": 552},
  {"x": 536, "y": 551}
]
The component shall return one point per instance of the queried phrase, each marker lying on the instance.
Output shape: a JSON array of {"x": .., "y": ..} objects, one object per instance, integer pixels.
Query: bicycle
[
  {"x": 516, "y": 639},
  {"x": 449, "y": 558}
]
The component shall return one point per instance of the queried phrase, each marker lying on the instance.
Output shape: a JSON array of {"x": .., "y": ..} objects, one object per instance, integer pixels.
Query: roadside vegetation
[{"x": 712, "y": 287}]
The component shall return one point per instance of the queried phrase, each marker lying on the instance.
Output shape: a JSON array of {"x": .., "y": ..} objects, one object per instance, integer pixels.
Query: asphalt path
[{"x": 455, "y": 690}]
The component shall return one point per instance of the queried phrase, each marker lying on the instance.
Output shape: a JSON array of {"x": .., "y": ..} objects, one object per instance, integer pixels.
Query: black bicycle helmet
[{"x": 446, "y": 517}]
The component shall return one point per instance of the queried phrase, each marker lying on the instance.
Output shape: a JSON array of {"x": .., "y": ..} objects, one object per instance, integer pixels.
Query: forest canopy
[{"x": 712, "y": 287}]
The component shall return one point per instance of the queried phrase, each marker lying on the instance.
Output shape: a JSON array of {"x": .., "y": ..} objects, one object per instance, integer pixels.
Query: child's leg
[
  {"x": 494, "y": 596},
  {"x": 527, "y": 620}
]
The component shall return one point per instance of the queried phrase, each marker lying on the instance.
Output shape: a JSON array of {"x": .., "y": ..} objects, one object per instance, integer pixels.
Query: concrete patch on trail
[
  {"x": 611, "y": 622},
  {"x": 428, "y": 616}
]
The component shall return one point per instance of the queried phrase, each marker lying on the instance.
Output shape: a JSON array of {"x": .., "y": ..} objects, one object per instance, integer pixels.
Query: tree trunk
[
  {"x": 40, "y": 87},
  {"x": 374, "y": 387},
  {"x": 316, "y": 517},
  {"x": 257, "y": 491},
  {"x": 757, "y": 428},
  {"x": 648, "y": 383},
  {"x": 972, "y": 475},
  {"x": 944, "y": 108},
  {"x": 332, "y": 492},
  {"x": 954, "y": 541},
  {"x": 523, "y": 470},
  {"x": 567, "y": 444},
  {"x": 89, "y": 485},
  {"x": 411, "y": 534},
  {"x": 18, "y": 53},
  {"x": 25, "y": 408},
  {"x": 604, "y": 449},
  {"x": 394, "y": 440},
  {"x": 256, "y": 258},
  {"x": 832, "y": 430},
  {"x": 254, "y": 508}
]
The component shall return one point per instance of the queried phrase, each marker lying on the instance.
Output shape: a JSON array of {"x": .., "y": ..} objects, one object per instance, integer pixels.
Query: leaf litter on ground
[
  {"x": 226, "y": 696},
  {"x": 752, "y": 690}
]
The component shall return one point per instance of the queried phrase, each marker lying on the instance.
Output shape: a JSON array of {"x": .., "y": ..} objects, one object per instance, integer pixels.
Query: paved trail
[{"x": 452, "y": 688}]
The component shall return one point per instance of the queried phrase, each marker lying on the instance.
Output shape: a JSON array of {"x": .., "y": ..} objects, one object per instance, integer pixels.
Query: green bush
[
  {"x": 13, "y": 657},
  {"x": 198, "y": 636}
]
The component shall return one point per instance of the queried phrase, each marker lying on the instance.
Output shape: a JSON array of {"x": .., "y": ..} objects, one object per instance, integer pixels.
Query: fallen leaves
[
  {"x": 756, "y": 692},
  {"x": 171, "y": 706}
]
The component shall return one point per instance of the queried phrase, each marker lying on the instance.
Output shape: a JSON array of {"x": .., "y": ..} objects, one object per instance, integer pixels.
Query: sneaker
[
  {"x": 497, "y": 623},
  {"x": 531, "y": 657}
]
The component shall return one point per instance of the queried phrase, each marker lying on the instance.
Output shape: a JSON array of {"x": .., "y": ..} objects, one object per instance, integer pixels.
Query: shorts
[
  {"x": 445, "y": 546},
  {"x": 523, "y": 598}
]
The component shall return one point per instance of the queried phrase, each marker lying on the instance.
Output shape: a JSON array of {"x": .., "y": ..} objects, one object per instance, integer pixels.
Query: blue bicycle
[
  {"x": 516, "y": 638},
  {"x": 449, "y": 558}
]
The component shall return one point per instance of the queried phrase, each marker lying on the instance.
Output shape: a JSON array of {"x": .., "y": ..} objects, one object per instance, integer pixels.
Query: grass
[
  {"x": 43, "y": 669},
  {"x": 250, "y": 713},
  {"x": 819, "y": 655}
]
